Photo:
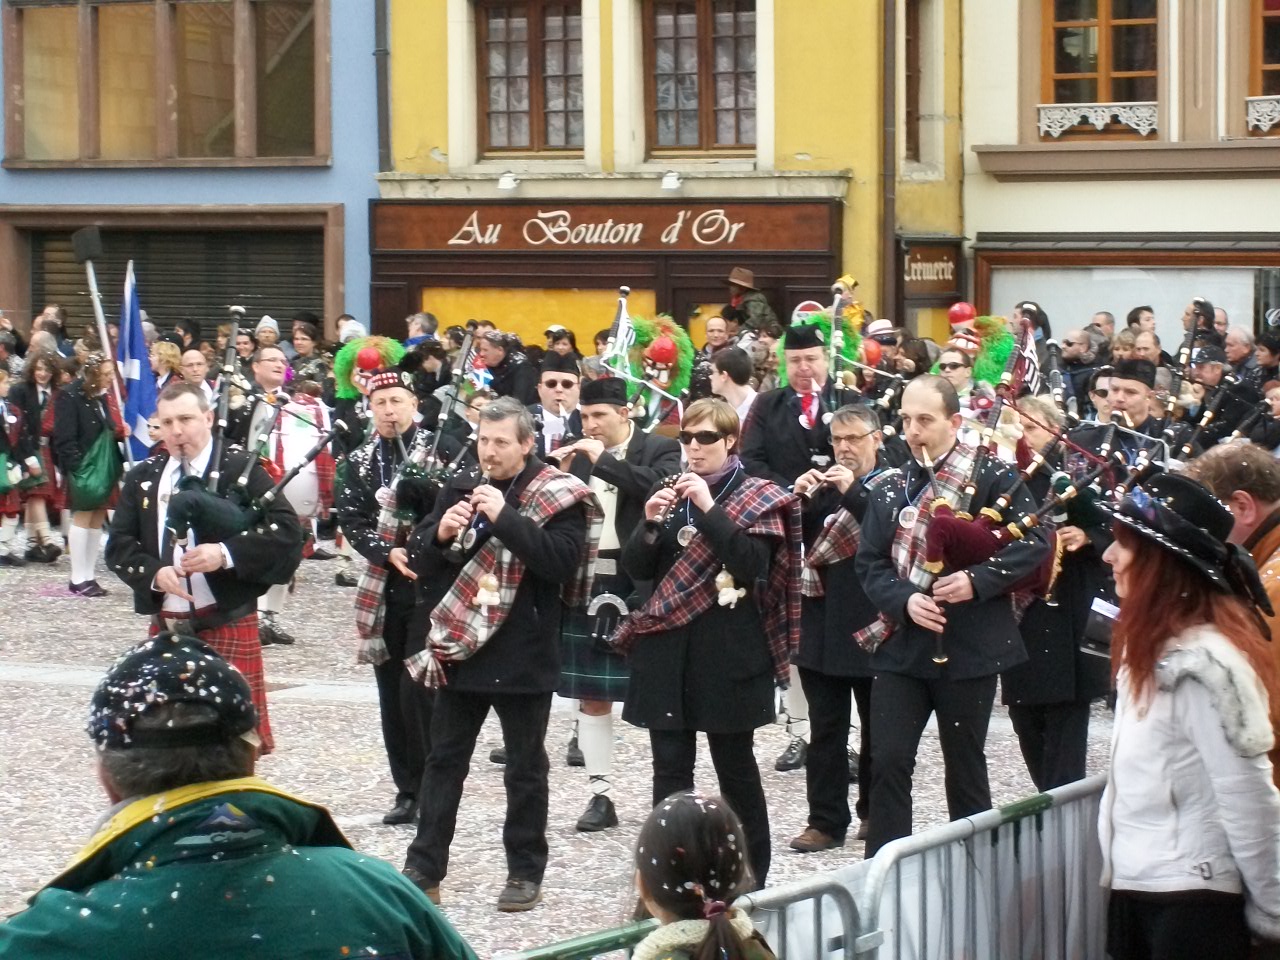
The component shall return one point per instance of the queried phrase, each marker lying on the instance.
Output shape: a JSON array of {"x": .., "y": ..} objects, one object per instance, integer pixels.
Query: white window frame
[{"x": 932, "y": 164}]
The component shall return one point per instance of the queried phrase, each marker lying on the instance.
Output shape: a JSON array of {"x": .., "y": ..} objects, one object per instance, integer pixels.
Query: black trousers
[
  {"x": 1176, "y": 926},
  {"x": 1054, "y": 738},
  {"x": 733, "y": 755},
  {"x": 900, "y": 708},
  {"x": 455, "y": 724},
  {"x": 826, "y": 772},
  {"x": 404, "y": 706}
]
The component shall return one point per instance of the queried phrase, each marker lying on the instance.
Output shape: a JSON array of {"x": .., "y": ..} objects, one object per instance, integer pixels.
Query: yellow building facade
[{"x": 543, "y": 154}]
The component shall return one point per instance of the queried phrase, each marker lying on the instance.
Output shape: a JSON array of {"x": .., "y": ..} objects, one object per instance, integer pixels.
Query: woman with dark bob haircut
[{"x": 1189, "y": 823}]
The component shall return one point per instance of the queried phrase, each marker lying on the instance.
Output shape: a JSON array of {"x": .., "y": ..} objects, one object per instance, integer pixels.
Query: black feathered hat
[{"x": 1144, "y": 371}]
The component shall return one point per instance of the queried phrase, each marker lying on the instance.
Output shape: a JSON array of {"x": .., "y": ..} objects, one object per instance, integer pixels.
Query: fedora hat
[
  {"x": 1180, "y": 515},
  {"x": 742, "y": 277}
]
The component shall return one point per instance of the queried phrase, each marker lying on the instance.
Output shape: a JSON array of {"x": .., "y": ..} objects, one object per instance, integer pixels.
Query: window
[
  {"x": 1100, "y": 52},
  {"x": 1265, "y": 81},
  {"x": 911, "y": 69},
  {"x": 91, "y": 69},
  {"x": 700, "y": 89},
  {"x": 530, "y": 74}
]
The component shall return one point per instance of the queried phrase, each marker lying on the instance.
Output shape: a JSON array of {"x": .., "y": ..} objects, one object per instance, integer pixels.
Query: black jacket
[
  {"x": 369, "y": 467},
  {"x": 648, "y": 459},
  {"x": 828, "y": 623},
  {"x": 523, "y": 655},
  {"x": 981, "y": 636},
  {"x": 515, "y": 377},
  {"x": 1056, "y": 670},
  {"x": 26, "y": 398},
  {"x": 266, "y": 554},
  {"x": 1238, "y": 400},
  {"x": 777, "y": 446},
  {"x": 78, "y": 420}
]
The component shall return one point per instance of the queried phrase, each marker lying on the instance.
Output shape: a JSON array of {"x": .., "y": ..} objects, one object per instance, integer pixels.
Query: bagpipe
[{"x": 665, "y": 357}]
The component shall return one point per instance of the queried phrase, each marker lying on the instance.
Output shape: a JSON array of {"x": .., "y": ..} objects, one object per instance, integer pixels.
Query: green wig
[
  {"x": 344, "y": 364},
  {"x": 648, "y": 331},
  {"x": 997, "y": 344}
]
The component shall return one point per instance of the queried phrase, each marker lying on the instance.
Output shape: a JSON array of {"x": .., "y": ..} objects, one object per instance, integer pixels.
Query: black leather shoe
[
  {"x": 320, "y": 553},
  {"x": 51, "y": 552},
  {"x": 42, "y": 553},
  {"x": 419, "y": 880},
  {"x": 91, "y": 589},
  {"x": 345, "y": 578},
  {"x": 519, "y": 895},
  {"x": 405, "y": 811},
  {"x": 270, "y": 632},
  {"x": 600, "y": 815},
  {"x": 573, "y": 755},
  {"x": 794, "y": 757},
  {"x": 498, "y": 755},
  {"x": 12, "y": 560}
]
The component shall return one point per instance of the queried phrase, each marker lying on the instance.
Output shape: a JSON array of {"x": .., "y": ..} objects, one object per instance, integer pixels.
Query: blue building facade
[{"x": 229, "y": 148}]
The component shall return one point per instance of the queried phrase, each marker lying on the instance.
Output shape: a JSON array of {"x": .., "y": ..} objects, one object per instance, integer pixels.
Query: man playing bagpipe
[
  {"x": 385, "y": 491},
  {"x": 1230, "y": 398},
  {"x": 941, "y": 639},
  {"x": 1133, "y": 438},
  {"x": 556, "y": 413},
  {"x": 494, "y": 561},
  {"x": 205, "y": 585},
  {"x": 621, "y": 463}
]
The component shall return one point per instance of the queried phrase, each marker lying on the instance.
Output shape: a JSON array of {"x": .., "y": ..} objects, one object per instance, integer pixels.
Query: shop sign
[{"x": 931, "y": 270}]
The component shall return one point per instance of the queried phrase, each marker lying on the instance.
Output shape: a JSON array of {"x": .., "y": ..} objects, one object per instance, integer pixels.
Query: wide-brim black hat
[{"x": 1182, "y": 516}]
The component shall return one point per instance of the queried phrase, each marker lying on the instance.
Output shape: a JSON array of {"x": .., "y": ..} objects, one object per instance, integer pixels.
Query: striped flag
[
  {"x": 135, "y": 368},
  {"x": 1029, "y": 364}
]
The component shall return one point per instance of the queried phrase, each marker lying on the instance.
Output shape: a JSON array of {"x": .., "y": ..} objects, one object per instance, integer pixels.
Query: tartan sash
[
  {"x": 459, "y": 626},
  {"x": 688, "y": 590},
  {"x": 837, "y": 542},
  {"x": 371, "y": 600},
  {"x": 908, "y": 548}
]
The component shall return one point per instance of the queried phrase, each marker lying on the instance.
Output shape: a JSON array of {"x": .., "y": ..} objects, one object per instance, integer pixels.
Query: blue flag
[{"x": 135, "y": 369}]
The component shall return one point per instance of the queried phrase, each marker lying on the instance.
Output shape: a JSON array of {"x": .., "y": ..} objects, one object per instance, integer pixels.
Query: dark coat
[
  {"x": 265, "y": 554},
  {"x": 981, "y": 636},
  {"x": 523, "y": 655},
  {"x": 715, "y": 673},
  {"x": 368, "y": 467},
  {"x": 648, "y": 459},
  {"x": 26, "y": 398},
  {"x": 777, "y": 446},
  {"x": 1266, "y": 433},
  {"x": 78, "y": 420},
  {"x": 515, "y": 377},
  {"x": 1056, "y": 671},
  {"x": 828, "y": 623},
  {"x": 1238, "y": 401}
]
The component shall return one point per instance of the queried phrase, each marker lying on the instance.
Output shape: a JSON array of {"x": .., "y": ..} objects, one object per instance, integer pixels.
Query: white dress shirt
[{"x": 164, "y": 490}]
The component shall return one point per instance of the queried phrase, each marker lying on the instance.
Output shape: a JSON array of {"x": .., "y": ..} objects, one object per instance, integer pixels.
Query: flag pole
[{"x": 87, "y": 244}]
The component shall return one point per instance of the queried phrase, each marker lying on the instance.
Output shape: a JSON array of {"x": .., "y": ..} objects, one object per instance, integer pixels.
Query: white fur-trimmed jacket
[{"x": 1190, "y": 803}]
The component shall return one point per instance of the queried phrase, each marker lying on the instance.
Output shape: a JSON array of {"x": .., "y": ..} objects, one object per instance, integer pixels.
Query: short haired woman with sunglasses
[{"x": 723, "y": 551}]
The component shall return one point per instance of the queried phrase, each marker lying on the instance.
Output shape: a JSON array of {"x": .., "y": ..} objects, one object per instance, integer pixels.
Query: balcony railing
[{"x": 1056, "y": 118}]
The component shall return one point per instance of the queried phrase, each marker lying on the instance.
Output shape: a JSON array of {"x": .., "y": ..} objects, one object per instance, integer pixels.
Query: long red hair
[{"x": 1165, "y": 595}]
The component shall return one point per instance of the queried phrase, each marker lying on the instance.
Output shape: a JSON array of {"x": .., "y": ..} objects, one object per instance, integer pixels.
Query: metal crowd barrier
[{"x": 1021, "y": 881}]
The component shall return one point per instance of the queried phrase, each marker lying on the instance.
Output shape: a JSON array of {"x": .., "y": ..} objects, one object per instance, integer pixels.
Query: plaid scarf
[
  {"x": 459, "y": 626},
  {"x": 908, "y": 548},
  {"x": 837, "y": 542},
  {"x": 371, "y": 600},
  {"x": 688, "y": 590}
]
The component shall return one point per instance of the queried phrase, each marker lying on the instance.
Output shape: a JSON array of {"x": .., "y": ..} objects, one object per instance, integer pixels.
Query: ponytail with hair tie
[{"x": 713, "y": 908}]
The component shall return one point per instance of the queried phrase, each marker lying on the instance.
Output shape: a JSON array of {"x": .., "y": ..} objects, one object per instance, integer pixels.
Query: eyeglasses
[
  {"x": 562, "y": 384},
  {"x": 704, "y": 437},
  {"x": 948, "y": 367},
  {"x": 1099, "y": 393},
  {"x": 850, "y": 437}
]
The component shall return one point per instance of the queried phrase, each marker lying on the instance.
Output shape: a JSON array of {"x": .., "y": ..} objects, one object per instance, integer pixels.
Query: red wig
[{"x": 1165, "y": 596}]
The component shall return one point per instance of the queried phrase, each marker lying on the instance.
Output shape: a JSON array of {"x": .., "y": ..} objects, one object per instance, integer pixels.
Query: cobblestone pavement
[{"x": 54, "y": 646}]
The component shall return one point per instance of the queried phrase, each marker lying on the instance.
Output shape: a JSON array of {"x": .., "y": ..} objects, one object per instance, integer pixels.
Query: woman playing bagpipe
[
  {"x": 707, "y": 648},
  {"x": 87, "y": 429},
  {"x": 44, "y": 498},
  {"x": 200, "y": 533}
]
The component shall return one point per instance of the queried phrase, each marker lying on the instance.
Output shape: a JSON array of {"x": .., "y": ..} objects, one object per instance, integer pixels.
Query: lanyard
[{"x": 688, "y": 506}]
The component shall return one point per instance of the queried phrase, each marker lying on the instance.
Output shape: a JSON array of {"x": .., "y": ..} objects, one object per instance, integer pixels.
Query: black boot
[{"x": 270, "y": 632}]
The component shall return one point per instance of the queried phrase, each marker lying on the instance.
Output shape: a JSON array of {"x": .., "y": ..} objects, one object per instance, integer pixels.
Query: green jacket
[
  {"x": 757, "y": 310},
  {"x": 229, "y": 869}
]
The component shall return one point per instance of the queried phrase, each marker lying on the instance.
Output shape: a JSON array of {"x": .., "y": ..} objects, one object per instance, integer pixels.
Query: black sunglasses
[
  {"x": 704, "y": 437},
  {"x": 562, "y": 384},
  {"x": 952, "y": 366},
  {"x": 1099, "y": 393}
]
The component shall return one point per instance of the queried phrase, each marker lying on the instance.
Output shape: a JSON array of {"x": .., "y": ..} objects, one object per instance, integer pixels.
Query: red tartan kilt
[
  {"x": 10, "y": 504},
  {"x": 50, "y": 490},
  {"x": 237, "y": 642},
  {"x": 324, "y": 473}
]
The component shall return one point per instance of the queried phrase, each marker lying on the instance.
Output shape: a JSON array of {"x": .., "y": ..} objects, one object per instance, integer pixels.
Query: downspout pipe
[
  {"x": 889, "y": 166},
  {"x": 381, "y": 55}
]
